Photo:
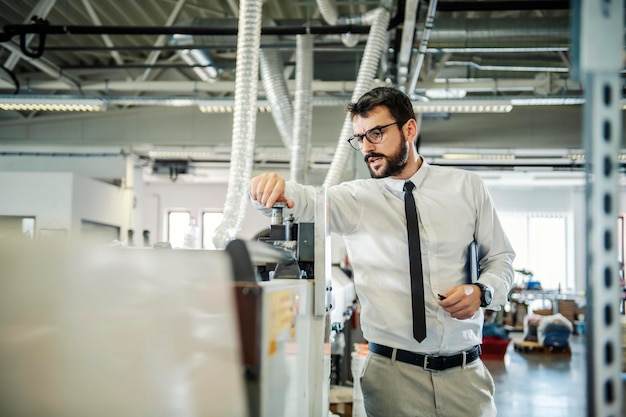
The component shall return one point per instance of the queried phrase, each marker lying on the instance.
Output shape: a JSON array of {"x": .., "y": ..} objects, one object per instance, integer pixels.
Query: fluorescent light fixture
[
  {"x": 463, "y": 106},
  {"x": 478, "y": 156},
  {"x": 547, "y": 101},
  {"x": 52, "y": 103},
  {"x": 228, "y": 106},
  {"x": 214, "y": 108},
  {"x": 445, "y": 93}
]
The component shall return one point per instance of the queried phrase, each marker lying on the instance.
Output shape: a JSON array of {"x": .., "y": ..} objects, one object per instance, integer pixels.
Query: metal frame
[{"x": 601, "y": 23}]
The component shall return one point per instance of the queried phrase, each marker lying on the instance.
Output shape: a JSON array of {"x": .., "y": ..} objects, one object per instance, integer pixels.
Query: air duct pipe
[
  {"x": 277, "y": 93},
  {"x": 303, "y": 109},
  {"x": 430, "y": 18},
  {"x": 244, "y": 122},
  {"x": 376, "y": 44},
  {"x": 328, "y": 11},
  {"x": 331, "y": 16}
]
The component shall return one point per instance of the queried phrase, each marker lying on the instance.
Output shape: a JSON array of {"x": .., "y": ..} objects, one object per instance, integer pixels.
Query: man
[{"x": 438, "y": 373}]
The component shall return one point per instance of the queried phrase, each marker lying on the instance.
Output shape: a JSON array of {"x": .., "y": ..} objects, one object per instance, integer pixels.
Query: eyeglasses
[{"x": 373, "y": 136}]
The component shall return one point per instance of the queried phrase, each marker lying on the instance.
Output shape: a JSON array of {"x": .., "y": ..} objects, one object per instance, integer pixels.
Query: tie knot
[{"x": 408, "y": 186}]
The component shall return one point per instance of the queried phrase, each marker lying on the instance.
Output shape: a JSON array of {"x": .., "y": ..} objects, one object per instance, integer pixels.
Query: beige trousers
[{"x": 397, "y": 389}]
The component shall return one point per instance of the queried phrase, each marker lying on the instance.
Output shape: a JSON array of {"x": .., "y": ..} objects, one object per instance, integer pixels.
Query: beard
[{"x": 395, "y": 162}]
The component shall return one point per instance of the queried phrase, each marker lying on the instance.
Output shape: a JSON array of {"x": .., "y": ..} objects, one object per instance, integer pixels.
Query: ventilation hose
[
  {"x": 244, "y": 122},
  {"x": 303, "y": 109},
  {"x": 277, "y": 93},
  {"x": 374, "y": 47}
]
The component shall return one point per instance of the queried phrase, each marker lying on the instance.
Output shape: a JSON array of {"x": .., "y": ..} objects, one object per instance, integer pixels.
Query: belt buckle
[
  {"x": 426, "y": 368},
  {"x": 464, "y": 353}
]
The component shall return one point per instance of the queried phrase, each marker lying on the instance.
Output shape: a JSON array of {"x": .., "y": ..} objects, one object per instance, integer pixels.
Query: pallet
[{"x": 526, "y": 346}]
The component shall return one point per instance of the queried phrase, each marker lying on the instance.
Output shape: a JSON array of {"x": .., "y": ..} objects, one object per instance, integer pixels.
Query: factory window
[
  {"x": 210, "y": 221},
  {"x": 543, "y": 245},
  {"x": 177, "y": 224}
]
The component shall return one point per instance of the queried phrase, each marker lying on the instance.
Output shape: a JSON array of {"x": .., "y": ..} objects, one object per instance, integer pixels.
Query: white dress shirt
[{"x": 454, "y": 209}]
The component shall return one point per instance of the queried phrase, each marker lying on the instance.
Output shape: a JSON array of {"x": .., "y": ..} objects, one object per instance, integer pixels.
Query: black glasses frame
[{"x": 356, "y": 140}]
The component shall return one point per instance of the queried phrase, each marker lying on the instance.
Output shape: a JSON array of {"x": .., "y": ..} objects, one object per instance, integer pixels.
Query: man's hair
[{"x": 398, "y": 104}]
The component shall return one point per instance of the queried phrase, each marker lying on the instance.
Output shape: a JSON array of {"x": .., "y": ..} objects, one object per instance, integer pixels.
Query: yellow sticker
[{"x": 281, "y": 317}]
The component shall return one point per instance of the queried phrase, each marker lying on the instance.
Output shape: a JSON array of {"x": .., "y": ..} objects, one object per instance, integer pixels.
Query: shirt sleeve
[
  {"x": 495, "y": 252},
  {"x": 342, "y": 200}
]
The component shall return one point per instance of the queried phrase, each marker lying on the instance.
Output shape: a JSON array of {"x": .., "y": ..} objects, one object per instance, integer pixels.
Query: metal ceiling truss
[{"x": 428, "y": 45}]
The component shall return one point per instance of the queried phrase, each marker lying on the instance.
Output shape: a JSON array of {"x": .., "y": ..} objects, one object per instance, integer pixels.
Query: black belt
[{"x": 428, "y": 362}]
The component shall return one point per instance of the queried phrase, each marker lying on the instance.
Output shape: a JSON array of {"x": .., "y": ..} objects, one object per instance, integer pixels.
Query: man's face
[{"x": 389, "y": 157}]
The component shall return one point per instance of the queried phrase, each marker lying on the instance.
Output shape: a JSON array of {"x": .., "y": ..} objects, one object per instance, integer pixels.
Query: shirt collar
[{"x": 397, "y": 186}]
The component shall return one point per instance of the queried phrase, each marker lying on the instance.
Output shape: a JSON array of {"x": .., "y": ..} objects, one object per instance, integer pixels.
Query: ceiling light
[
  {"x": 463, "y": 106},
  {"x": 56, "y": 103},
  {"x": 547, "y": 101},
  {"x": 228, "y": 106},
  {"x": 477, "y": 156},
  {"x": 216, "y": 109},
  {"x": 445, "y": 93}
]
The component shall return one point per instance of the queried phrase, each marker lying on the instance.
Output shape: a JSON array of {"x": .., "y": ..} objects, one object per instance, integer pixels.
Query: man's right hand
[{"x": 268, "y": 189}]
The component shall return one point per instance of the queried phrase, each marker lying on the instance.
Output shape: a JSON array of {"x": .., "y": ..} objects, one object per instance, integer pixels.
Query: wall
[
  {"x": 99, "y": 202},
  {"x": 60, "y": 200},
  {"x": 161, "y": 197},
  {"x": 48, "y": 197}
]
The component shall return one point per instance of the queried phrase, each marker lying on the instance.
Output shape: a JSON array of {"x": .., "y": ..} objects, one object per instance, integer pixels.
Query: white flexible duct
[
  {"x": 244, "y": 121},
  {"x": 277, "y": 93},
  {"x": 303, "y": 109},
  {"x": 331, "y": 16},
  {"x": 328, "y": 11},
  {"x": 376, "y": 44}
]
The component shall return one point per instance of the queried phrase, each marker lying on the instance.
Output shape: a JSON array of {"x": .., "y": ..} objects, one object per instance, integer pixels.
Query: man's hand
[
  {"x": 462, "y": 301},
  {"x": 268, "y": 189}
]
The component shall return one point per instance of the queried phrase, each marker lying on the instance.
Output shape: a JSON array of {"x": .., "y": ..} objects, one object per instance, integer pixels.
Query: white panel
[{"x": 119, "y": 332}]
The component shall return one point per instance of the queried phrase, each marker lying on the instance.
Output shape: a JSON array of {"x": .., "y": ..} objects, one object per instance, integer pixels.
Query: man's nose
[{"x": 367, "y": 146}]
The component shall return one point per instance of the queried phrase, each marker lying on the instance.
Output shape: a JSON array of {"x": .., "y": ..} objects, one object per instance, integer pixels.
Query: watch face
[{"x": 487, "y": 296}]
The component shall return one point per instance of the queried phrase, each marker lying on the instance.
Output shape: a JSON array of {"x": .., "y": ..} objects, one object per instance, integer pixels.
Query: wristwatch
[{"x": 485, "y": 294}]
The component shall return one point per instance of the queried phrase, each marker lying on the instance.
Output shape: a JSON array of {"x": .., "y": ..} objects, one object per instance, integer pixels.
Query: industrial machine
[
  {"x": 105, "y": 331},
  {"x": 118, "y": 332},
  {"x": 284, "y": 294}
]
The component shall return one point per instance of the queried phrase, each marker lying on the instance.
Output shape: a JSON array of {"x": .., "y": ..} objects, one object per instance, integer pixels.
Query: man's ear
[{"x": 411, "y": 130}]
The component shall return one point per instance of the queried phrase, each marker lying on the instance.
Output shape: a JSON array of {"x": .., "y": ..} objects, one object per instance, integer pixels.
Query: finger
[
  {"x": 283, "y": 199},
  {"x": 273, "y": 191},
  {"x": 254, "y": 185},
  {"x": 257, "y": 187}
]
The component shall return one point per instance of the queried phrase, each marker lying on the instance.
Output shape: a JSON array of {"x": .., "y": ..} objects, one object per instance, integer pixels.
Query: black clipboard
[{"x": 474, "y": 272}]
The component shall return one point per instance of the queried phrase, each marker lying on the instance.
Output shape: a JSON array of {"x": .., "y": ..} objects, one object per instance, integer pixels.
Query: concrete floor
[{"x": 542, "y": 384}]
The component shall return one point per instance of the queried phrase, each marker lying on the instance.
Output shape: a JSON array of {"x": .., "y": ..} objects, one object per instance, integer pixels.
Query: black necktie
[{"x": 415, "y": 262}]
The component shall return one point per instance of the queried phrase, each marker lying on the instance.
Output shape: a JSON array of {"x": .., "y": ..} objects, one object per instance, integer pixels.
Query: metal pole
[{"x": 600, "y": 40}]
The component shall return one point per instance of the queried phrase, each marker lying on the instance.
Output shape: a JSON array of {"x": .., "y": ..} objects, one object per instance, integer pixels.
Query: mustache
[{"x": 366, "y": 157}]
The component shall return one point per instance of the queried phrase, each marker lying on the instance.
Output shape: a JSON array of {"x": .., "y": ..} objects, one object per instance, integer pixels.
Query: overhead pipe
[
  {"x": 406, "y": 44},
  {"x": 42, "y": 9},
  {"x": 486, "y": 6},
  {"x": 244, "y": 122},
  {"x": 487, "y": 32},
  {"x": 376, "y": 44},
  {"x": 277, "y": 93},
  {"x": 421, "y": 52},
  {"x": 43, "y": 29},
  {"x": 303, "y": 109},
  {"x": 44, "y": 65}
]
